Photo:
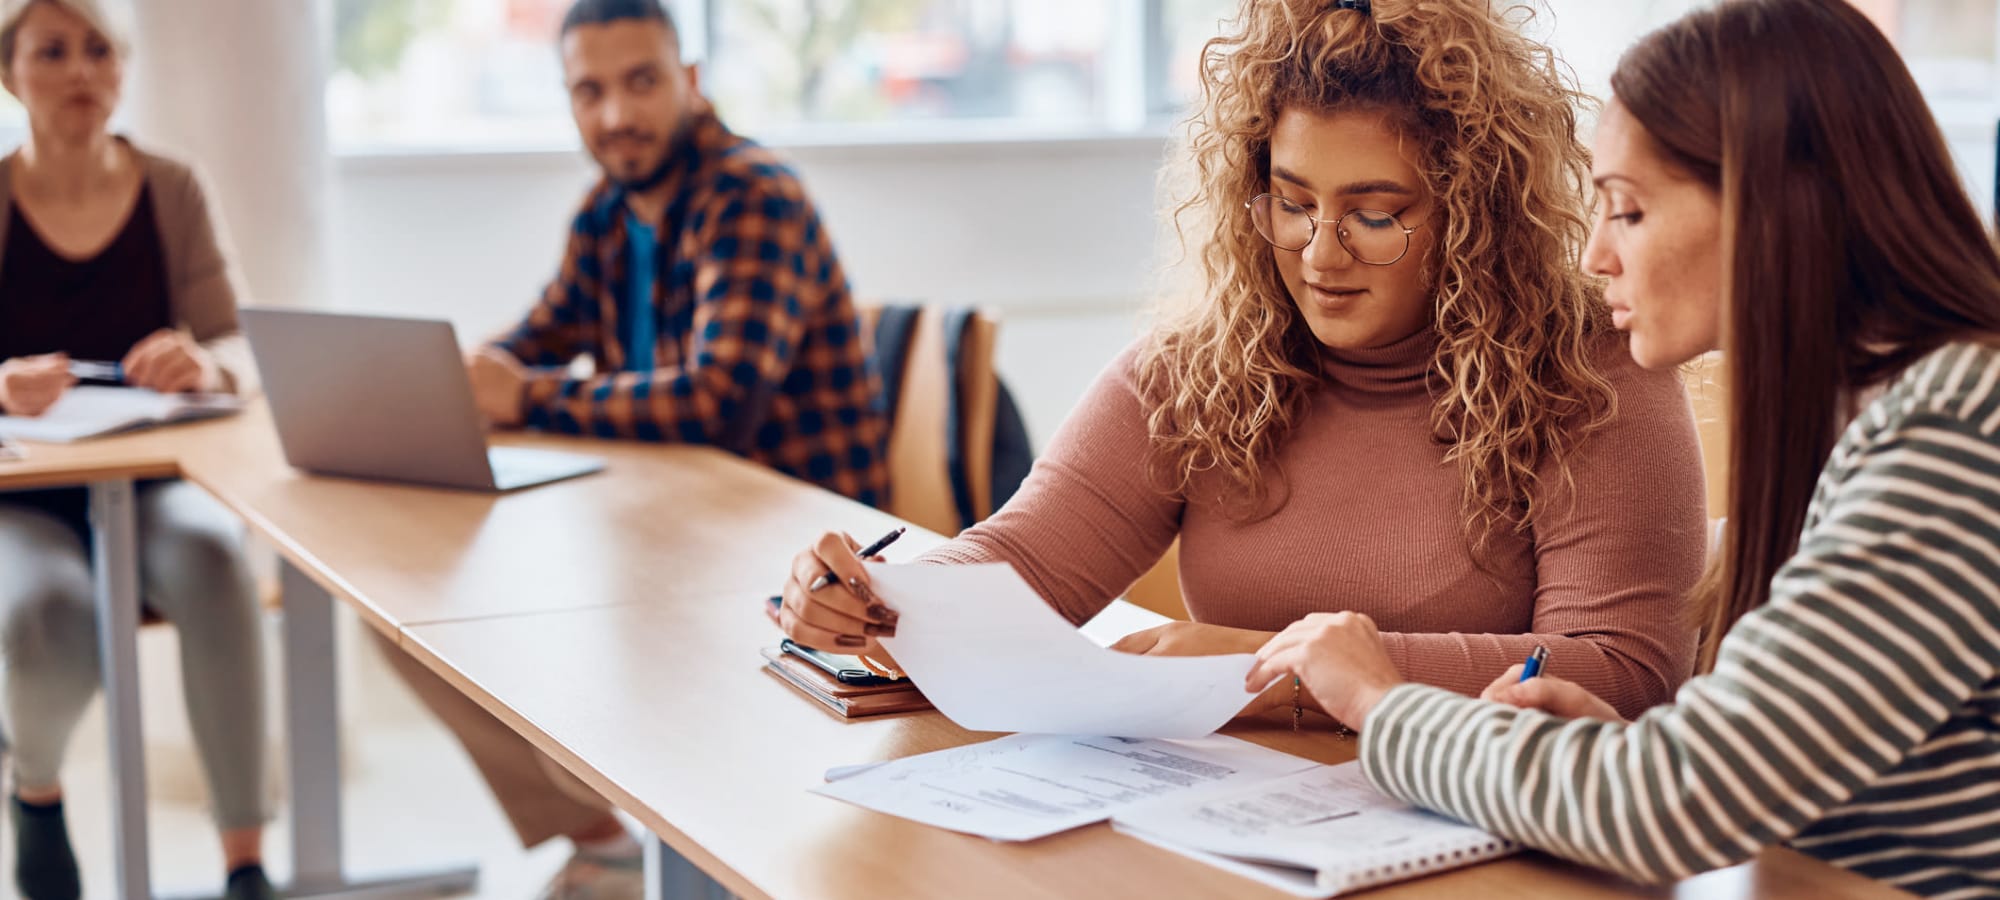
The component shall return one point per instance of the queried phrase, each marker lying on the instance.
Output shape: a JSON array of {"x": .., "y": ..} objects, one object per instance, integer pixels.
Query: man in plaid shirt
[
  {"x": 701, "y": 285},
  {"x": 699, "y": 281}
]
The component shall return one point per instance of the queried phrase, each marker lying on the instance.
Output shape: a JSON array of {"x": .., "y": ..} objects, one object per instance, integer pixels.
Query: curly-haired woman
[{"x": 1395, "y": 394}]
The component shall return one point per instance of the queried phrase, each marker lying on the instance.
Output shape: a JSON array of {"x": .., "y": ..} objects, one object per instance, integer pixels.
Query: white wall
[{"x": 1027, "y": 226}]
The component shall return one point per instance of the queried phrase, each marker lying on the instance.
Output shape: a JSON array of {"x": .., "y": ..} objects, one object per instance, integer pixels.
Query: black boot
[
  {"x": 248, "y": 883},
  {"x": 44, "y": 864}
]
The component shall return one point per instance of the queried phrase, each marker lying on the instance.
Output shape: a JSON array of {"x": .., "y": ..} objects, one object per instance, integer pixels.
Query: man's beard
[
  {"x": 649, "y": 180},
  {"x": 668, "y": 158}
]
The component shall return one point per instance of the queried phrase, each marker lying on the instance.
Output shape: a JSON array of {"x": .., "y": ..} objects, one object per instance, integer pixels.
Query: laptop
[{"x": 386, "y": 398}]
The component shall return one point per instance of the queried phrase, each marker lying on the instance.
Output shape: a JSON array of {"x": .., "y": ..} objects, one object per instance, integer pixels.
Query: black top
[{"x": 95, "y": 308}]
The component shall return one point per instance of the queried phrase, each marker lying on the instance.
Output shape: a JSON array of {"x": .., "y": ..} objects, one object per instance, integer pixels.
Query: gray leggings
[{"x": 192, "y": 573}]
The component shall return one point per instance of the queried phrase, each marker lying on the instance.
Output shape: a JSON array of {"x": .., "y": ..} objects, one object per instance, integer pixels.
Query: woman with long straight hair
[{"x": 1772, "y": 185}]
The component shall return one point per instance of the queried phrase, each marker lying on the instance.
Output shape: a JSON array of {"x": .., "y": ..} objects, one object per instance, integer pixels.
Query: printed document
[{"x": 1027, "y": 786}]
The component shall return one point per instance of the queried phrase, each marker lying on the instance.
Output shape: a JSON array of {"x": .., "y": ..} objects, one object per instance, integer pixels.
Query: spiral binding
[{"x": 1384, "y": 871}]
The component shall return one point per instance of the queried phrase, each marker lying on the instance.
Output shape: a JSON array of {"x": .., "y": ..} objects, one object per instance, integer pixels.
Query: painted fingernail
[
  {"x": 850, "y": 640},
  {"x": 882, "y": 613},
  {"x": 880, "y": 630},
  {"x": 860, "y": 589}
]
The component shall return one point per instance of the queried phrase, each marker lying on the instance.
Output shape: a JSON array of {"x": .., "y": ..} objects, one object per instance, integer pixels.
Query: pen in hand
[
  {"x": 1533, "y": 666},
  {"x": 97, "y": 370},
  {"x": 880, "y": 544}
]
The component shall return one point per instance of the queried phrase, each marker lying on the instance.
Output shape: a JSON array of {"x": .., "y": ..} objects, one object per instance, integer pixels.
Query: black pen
[{"x": 826, "y": 578}]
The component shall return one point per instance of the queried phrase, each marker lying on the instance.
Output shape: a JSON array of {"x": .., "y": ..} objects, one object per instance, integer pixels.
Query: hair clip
[{"x": 1360, "y": 6}]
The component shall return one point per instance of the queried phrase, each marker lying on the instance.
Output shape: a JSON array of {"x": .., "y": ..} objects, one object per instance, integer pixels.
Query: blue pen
[
  {"x": 97, "y": 370},
  {"x": 1533, "y": 666}
]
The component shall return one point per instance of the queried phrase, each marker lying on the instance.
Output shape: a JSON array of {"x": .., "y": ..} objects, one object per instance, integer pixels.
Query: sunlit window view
[
  {"x": 785, "y": 62},
  {"x": 485, "y": 74}
]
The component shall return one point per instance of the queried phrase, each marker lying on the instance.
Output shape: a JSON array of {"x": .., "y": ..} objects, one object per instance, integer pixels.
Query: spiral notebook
[{"x": 1322, "y": 832}]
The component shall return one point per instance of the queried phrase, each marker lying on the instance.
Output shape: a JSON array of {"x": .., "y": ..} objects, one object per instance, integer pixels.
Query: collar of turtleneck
[{"x": 1394, "y": 368}]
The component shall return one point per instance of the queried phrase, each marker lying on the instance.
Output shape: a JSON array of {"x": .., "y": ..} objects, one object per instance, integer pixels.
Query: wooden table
[
  {"x": 614, "y": 620},
  {"x": 658, "y": 520},
  {"x": 662, "y": 708}
]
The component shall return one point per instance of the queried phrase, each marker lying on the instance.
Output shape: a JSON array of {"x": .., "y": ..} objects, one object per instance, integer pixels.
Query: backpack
[{"x": 1012, "y": 454}]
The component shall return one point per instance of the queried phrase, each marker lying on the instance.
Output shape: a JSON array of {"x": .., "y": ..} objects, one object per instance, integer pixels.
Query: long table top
[{"x": 615, "y": 621}]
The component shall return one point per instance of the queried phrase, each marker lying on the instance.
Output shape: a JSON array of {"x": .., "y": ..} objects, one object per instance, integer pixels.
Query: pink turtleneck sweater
[{"x": 1374, "y": 523}]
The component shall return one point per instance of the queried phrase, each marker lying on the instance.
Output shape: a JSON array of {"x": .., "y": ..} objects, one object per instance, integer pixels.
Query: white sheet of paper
[
  {"x": 91, "y": 410},
  {"x": 993, "y": 657},
  {"x": 1025, "y": 786},
  {"x": 1118, "y": 620}
]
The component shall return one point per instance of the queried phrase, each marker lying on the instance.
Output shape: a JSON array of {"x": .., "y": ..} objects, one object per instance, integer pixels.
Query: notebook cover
[{"x": 848, "y": 700}]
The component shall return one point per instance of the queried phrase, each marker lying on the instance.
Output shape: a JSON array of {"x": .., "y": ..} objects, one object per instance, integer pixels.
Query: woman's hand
[
  {"x": 169, "y": 361},
  {"x": 29, "y": 385},
  {"x": 1196, "y": 639},
  {"x": 1550, "y": 695},
  {"x": 1337, "y": 657},
  {"x": 843, "y": 616},
  {"x": 1191, "y": 639}
]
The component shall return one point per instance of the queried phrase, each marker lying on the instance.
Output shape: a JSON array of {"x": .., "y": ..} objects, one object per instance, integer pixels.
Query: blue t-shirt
[{"x": 641, "y": 325}]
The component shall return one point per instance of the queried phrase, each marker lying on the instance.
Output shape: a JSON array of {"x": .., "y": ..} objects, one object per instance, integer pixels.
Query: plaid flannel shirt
[{"x": 759, "y": 350}]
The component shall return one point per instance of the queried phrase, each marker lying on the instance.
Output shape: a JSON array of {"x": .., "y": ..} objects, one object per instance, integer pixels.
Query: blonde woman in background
[
  {"x": 108, "y": 253},
  {"x": 1396, "y": 393}
]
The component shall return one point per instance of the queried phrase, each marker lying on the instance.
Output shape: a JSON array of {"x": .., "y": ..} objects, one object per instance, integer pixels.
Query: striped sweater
[{"x": 1856, "y": 716}]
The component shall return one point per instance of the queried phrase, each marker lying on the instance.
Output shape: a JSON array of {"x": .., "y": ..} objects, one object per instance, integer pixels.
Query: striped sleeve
[
  {"x": 752, "y": 300},
  {"x": 1877, "y": 632}
]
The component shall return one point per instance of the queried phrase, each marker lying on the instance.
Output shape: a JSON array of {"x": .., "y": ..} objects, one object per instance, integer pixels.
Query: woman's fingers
[
  {"x": 821, "y": 638},
  {"x": 841, "y": 613},
  {"x": 1506, "y": 680},
  {"x": 1138, "y": 642}
]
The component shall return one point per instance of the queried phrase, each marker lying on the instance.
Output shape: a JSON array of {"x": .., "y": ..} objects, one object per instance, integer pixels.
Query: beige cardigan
[{"x": 203, "y": 286}]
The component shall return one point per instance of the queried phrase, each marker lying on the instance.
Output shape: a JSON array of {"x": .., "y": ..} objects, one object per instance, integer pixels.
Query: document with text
[{"x": 1027, "y": 786}]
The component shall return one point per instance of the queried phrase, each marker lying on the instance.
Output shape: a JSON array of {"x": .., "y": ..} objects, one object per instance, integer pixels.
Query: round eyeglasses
[{"x": 1370, "y": 235}]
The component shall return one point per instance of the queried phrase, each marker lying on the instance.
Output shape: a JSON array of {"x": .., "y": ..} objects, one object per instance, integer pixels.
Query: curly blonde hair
[{"x": 1493, "y": 121}]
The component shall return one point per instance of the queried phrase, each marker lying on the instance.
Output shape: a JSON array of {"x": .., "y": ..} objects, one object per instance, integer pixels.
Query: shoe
[
  {"x": 44, "y": 863},
  {"x": 587, "y": 877},
  {"x": 249, "y": 883}
]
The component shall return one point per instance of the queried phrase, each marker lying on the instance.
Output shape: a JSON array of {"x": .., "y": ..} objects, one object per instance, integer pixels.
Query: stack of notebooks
[{"x": 849, "y": 700}]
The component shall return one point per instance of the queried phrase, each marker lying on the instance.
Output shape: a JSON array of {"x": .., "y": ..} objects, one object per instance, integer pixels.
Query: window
[
  {"x": 461, "y": 74},
  {"x": 13, "y": 120},
  {"x": 446, "y": 74},
  {"x": 787, "y": 62},
  {"x": 1184, "y": 28},
  {"x": 484, "y": 74}
]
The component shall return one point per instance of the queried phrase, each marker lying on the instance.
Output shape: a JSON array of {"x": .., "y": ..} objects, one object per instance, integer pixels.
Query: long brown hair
[
  {"x": 1850, "y": 248},
  {"x": 1493, "y": 116}
]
